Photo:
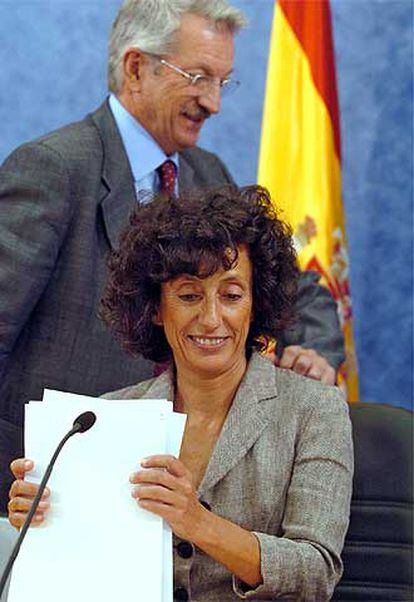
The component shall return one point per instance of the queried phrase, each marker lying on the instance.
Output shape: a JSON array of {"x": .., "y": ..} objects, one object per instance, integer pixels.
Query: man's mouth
[{"x": 198, "y": 116}]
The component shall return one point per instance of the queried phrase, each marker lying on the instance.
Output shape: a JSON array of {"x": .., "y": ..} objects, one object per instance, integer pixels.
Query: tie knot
[{"x": 167, "y": 172}]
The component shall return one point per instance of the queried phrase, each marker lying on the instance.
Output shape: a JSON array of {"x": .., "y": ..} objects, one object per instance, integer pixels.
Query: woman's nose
[{"x": 210, "y": 314}]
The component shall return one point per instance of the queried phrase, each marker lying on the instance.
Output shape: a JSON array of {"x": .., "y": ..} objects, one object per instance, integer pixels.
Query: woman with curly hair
[{"x": 258, "y": 499}]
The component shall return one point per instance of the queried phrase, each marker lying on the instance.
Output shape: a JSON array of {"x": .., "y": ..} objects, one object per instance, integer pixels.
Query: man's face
[{"x": 166, "y": 104}]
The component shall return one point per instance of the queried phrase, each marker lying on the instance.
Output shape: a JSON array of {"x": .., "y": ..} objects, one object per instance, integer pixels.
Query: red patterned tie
[{"x": 168, "y": 174}]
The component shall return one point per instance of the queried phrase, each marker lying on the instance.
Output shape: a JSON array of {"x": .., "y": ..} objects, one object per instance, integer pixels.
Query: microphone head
[{"x": 84, "y": 421}]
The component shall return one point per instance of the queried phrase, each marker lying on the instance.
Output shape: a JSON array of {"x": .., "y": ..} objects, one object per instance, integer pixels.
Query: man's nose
[
  {"x": 211, "y": 98},
  {"x": 209, "y": 315}
]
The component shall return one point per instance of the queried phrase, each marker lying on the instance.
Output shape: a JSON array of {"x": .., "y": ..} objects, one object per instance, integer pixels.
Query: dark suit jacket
[{"x": 64, "y": 200}]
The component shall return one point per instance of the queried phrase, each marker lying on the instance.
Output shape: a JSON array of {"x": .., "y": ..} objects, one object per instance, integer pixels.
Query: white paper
[{"x": 96, "y": 544}]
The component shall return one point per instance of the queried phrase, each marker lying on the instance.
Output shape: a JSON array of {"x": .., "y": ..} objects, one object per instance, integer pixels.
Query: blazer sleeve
[
  {"x": 35, "y": 212},
  {"x": 303, "y": 562},
  {"x": 317, "y": 325}
]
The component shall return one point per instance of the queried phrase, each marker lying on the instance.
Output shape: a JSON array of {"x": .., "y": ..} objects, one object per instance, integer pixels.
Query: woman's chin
[{"x": 213, "y": 365}]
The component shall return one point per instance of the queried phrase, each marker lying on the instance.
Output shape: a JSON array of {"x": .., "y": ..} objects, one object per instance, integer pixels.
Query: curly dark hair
[{"x": 192, "y": 234}]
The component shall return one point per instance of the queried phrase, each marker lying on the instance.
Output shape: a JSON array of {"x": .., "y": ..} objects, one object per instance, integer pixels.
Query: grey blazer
[
  {"x": 282, "y": 468},
  {"x": 64, "y": 200}
]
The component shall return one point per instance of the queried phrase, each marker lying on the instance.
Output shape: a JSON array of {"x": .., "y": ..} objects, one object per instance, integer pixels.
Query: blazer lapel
[
  {"x": 118, "y": 193},
  {"x": 245, "y": 422}
]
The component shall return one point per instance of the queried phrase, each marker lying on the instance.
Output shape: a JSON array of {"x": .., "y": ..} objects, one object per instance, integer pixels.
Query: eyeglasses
[{"x": 203, "y": 83}]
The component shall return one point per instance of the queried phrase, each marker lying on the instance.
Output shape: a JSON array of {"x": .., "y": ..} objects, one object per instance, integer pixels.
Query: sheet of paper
[
  {"x": 96, "y": 544},
  {"x": 175, "y": 432}
]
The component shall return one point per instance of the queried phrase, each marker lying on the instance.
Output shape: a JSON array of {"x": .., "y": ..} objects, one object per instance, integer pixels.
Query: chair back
[{"x": 378, "y": 552}]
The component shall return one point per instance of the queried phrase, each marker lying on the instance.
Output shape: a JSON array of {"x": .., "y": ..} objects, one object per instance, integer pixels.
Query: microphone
[
  {"x": 80, "y": 425},
  {"x": 84, "y": 422}
]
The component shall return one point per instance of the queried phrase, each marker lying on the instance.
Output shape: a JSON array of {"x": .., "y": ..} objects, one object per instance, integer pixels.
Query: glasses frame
[{"x": 225, "y": 85}]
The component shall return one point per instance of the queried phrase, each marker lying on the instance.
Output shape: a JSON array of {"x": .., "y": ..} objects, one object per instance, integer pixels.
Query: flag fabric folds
[{"x": 300, "y": 151}]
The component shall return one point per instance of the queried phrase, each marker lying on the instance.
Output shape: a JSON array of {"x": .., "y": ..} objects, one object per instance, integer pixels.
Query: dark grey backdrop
[{"x": 52, "y": 70}]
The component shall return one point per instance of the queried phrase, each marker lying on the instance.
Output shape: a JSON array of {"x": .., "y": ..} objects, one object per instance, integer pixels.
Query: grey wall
[{"x": 52, "y": 70}]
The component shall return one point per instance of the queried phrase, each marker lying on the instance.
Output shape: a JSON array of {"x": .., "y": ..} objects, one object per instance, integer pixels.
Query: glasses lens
[
  {"x": 229, "y": 86},
  {"x": 206, "y": 85}
]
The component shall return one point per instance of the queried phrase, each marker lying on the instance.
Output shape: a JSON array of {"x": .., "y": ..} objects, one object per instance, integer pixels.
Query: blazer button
[
  {"x": 185, "y": 549},
  {"x": 205, "y": 504},
  {"x": 181, "y": 594}
]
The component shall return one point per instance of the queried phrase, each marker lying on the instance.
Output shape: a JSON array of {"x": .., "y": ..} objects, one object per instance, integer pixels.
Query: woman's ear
[{"x": 157, "y": 318}]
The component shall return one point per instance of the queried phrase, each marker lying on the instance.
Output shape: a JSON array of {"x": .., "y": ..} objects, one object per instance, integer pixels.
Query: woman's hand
[
  {"x": 165, "y": 488},
  {"x": 22, "y": 493}
]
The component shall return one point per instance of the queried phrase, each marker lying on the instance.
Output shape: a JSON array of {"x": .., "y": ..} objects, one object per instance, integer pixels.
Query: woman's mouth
[{"x": 204, "y": 342}]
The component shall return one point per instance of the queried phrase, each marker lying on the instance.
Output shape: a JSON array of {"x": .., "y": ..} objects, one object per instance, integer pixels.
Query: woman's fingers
[
  {"x": 155, "y": 493},
  {"x": 22, "y": 488},
  {"x": 19, "y": 507},
  {"x": 156, "y": 476},
  {"x": 164, "y": 478},
  {"x": 21, "y": 466},
  {"x": 17, "y": 519},
  {"x": 22, "y": 494},
  {"x": 169, "y": 463},
  {"x": 23, "y": 504}
]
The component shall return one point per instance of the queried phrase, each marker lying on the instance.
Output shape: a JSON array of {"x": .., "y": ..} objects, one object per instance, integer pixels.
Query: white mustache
[{"x": 200, "y": 113}]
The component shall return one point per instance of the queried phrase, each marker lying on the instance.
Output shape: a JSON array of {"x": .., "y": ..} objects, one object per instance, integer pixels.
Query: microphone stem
[{"x": 76, "y": 428}]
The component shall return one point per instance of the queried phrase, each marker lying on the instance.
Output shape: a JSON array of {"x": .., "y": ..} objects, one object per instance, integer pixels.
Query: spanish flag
[{"x": 300, "y": 154}]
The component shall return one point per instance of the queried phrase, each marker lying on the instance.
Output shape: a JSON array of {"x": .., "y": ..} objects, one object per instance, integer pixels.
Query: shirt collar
[{"x": 143, "y": 152}]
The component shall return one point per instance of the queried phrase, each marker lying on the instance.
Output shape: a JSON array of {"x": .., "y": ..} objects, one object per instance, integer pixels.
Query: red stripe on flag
[{"x": 311, "y": 23}]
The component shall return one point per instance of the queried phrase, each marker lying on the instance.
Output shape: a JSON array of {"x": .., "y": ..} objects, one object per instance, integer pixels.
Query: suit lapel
[
  {"x": 186, "y": 174},
  {"x": 245, "y": 422},
  {"x": 118, "y": 193}
]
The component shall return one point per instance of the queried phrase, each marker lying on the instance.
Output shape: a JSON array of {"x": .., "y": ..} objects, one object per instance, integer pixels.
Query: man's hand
[{"x": 307, "y": 362}]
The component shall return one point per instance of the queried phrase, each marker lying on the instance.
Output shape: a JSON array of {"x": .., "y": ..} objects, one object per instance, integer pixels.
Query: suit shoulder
[
  {"x": 206, "y": 164},
  {"x": 75, "y": 141},
  {"x": 196, "y": 153},
  {"x": 78, "y": 140}
]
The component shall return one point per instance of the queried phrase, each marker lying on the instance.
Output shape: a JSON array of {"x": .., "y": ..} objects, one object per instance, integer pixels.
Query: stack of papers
[{"x": 96, "y": 543}]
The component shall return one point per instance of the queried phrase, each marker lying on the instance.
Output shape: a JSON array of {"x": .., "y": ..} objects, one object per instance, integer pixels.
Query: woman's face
[{"x": 206, "y": 321}]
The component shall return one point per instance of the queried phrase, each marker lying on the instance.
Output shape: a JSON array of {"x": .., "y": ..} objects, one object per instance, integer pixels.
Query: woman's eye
[
  {"x": 233, "y": 296},
  {"x": 188, "y": 297}
]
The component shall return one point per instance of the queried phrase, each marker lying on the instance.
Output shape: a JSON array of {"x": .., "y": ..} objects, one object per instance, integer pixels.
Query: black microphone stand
[{"x": 79, "y": 426}]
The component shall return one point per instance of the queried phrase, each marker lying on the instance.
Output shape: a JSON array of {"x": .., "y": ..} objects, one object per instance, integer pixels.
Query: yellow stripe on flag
[
  {"x": 298, "y": 163},
  {"x": 300, "y": 166}
]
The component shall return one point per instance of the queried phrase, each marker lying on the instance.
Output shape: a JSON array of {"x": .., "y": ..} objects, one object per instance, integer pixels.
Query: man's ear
[{"x": 132, "y": 64}]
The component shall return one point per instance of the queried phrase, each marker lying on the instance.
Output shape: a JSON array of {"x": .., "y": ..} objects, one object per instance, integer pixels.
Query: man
[{"x": 66, "y": 197}]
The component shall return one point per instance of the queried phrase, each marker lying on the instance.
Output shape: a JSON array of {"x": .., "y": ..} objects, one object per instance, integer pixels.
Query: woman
[{"x": 259, "y": 498}]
